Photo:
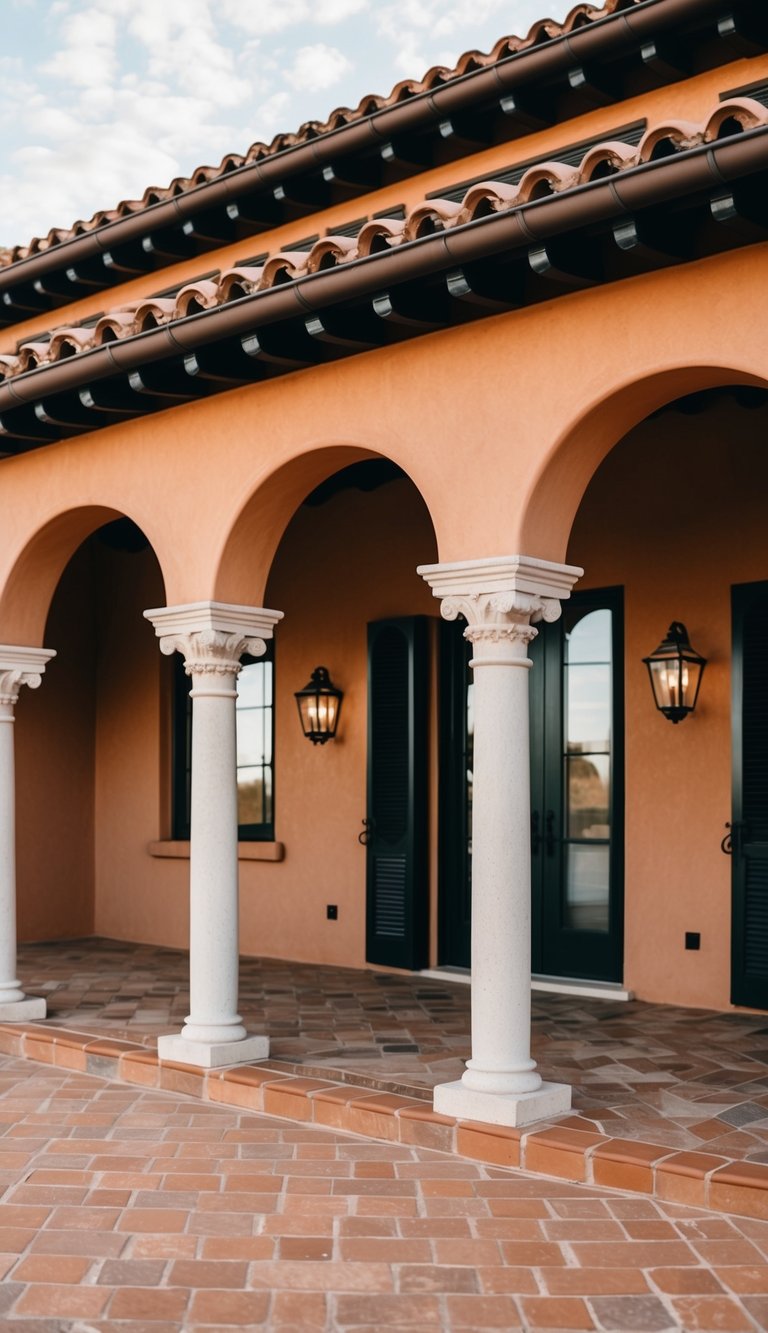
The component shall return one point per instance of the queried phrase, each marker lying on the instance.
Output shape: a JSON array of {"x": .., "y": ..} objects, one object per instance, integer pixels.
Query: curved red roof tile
[{"x": 480, "y": 200}]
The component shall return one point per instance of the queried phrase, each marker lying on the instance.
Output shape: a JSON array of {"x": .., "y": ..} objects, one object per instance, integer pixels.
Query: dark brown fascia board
[
  {"x": 649, "y": 185},
  {"x": 603, "y": 39}
]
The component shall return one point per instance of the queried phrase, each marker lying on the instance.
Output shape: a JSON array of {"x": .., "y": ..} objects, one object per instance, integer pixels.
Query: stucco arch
[
  {"x": 564, "y": 473},
  {"x": 250, "y": 545},
  {"x": 35, "y": 568}
]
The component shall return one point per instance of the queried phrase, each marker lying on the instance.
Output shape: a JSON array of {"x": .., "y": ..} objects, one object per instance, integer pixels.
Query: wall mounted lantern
[
  {"x": 675, "y": 669},
  {"x": 319, "y": 707}
]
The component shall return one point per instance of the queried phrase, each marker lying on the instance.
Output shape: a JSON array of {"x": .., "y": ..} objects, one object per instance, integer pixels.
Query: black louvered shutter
[
  {"x": 397, "y": 885},
  {"x": 750, "y": 796}
]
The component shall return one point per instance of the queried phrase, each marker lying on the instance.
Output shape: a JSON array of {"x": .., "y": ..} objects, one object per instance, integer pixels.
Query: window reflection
[
  {"x": 254, "y": 746},
  {"x": 588, "y": 705}
]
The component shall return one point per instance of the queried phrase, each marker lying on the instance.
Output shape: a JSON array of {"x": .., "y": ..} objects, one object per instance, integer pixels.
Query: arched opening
[
  {"x": 567, "y": 469},
  {"x": 669, "y": 525},
  {"x": 89, "y": 789},
  {"x": 354, "y": 528}
]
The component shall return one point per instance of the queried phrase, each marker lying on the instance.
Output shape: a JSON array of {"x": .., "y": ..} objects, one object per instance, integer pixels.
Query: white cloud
[
  {"x": 100, "y": 99},
  {"x": 316, "y": 67},
  {"x": 266, "y": 18},
  {"x": 335, "y": 11}
]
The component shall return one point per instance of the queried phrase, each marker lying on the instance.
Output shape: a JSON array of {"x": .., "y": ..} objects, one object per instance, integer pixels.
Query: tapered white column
[
  {"x": 213, "y": 637},
  {"x": 500, "y": 600},
  {"x": 18, "y": 666}
]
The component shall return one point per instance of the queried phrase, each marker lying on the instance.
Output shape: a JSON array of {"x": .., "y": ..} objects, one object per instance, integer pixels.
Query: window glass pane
[
  {"x": 250, "y": 736},
  {"x": 253, "y": 795},
  {"x": 587, "y": 709},
  {"x": 587, "y": 635},
  {"x": 250, "y": 685},
  {"x": 588, "y": 795},
  {"x": 587, "y": 871}
]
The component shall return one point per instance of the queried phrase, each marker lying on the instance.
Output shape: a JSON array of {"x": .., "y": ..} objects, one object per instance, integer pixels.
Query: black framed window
[{"x": 255, "y": 710}]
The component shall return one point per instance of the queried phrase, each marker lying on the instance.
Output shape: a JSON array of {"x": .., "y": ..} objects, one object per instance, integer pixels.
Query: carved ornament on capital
[
  {"x": 18, "y": 667},
  {"x": 213, "y": 636},
  {"x": 499, "y": 617},
  {"x": 211, "y": 652},
  {"x": 502, "y": 599}
]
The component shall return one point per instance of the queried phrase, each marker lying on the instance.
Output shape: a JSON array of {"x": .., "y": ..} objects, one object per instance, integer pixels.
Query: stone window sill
[{"x": 246, "y": 851}]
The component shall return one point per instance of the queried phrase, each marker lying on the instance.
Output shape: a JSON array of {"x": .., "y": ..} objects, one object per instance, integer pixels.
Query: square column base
[
  {"x": 23, "y": 1011},
  {"x": 212, "y": 1054},
  {"x": 495, "y": 1108}
]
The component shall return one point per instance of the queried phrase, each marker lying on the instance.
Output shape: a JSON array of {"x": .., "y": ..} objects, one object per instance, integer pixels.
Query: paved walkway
[
  {"x": 136, "y": 1210},
  {"x": 683, "y": 1078}
]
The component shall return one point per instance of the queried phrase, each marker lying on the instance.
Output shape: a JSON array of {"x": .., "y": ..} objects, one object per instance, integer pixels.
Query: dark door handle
[
  {"x": 550, "y": 836},
  {"x": 364, "y": 838},
  {"x": 731, "y": 843},
  {"x": 535, "y": 832}
]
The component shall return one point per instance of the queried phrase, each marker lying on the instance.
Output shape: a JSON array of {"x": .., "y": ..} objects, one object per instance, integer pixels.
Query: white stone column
[
  {"x": 18, "y": 666},
  {"x": 500, "y": 600},
  {"x": 213, "y": 636}
]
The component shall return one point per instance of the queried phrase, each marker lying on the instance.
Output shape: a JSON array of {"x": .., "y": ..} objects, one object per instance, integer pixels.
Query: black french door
[
  {"x": 396, "y": 825},
  {"x": 576, "y": 792},
  {"x": 749, "y": 817}
]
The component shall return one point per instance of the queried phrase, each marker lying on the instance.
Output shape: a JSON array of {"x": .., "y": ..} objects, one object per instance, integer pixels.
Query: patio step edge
[{"x": 571, "y": 1148}]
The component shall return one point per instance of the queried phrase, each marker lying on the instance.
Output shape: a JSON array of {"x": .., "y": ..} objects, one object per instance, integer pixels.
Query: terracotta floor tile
[
  {"x": 299, "y": 1310},
  {"x": 635, "y": 1254},
  {"x": 306, "y": 1247},
  {"x": 383, "y": 1311},
  {"x": 51, "y": 1269},
  {"x": 710, "y": 1312},
  {"x": 688, "y": 1281},
  {"x": 96, "y": 1244},
  {"x": 67, "y": 1302},
  {"x": 597, "y": 1281},
  {"x": 556, "y": 1312},
  {"x": 495, "y": 1280},
  {"x": 744, "y": 1279},
  {"x": 148, "y": 1303},
  {"x": 321, "y": 1276},
  {"x": 239, "y": 1308},
  {"x": 436, "y": 1277},
  {"x": 641, "y": 1314},
  {"x": 474, "y": 1312}
]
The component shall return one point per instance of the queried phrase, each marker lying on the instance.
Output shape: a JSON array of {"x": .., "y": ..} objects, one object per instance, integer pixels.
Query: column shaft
[
  {"x": 10, "y": 991},
  {"x": 501, "y": 877},
  {"x": 213, "y": 886}
]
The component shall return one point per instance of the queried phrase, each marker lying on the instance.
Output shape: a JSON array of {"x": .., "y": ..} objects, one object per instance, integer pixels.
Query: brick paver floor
[
  {"x": 136, "y": 1210},
  {"x": 683, "y": 1078}
]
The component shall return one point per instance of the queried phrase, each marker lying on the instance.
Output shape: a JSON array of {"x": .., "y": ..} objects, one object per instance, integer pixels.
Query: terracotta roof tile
[
  {"x": 542, "y": 31},
  {"x": 480, "y": 200}
]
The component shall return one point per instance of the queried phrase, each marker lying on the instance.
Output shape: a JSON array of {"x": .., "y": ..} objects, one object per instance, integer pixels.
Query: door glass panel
[
  {"x": 586, "y": 886},
  {"x": 588, "y": 778},
  {"x": 587, "y": 637},
  {"x": 588, "y": 709}
]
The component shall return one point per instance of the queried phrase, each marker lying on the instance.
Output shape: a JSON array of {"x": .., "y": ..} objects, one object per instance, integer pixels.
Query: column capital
[
  {"x": 212, "y": 636},
  {"x": 502, "y": 597},
  {"x": 20, "y": 666}
]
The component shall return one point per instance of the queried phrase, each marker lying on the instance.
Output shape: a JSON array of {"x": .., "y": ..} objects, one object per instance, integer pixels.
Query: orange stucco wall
[
  {"x": 55, "y": 745},
  {"x": 676, "y": 515}
]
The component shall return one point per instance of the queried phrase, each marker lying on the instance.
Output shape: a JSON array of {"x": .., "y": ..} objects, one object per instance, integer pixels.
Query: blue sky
[{"x": 101, "y": 98}]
